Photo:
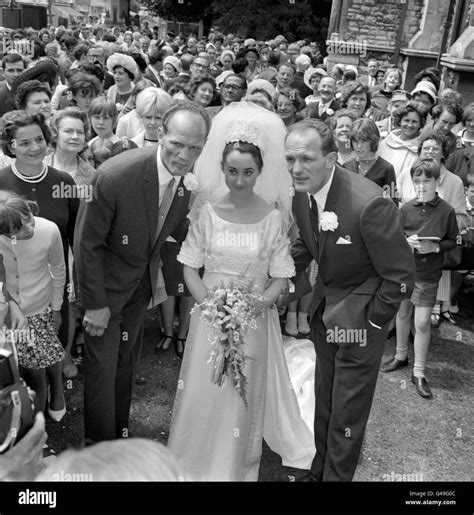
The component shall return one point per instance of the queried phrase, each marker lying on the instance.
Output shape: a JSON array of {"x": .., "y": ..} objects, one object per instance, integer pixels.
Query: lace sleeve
[
  {"x": 192, "y": 250},
  {"x": 281, "y": 262}
]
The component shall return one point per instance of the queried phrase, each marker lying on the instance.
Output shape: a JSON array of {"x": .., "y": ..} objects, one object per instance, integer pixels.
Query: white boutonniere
[
  {"x": 329, "y": 111},
  {"x": 190, "y": 182},
  {"x": 328, "y": 221}
]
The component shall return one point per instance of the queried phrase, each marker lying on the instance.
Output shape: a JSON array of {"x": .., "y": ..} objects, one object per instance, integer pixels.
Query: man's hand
[
  {"x": 413, "y": 241},
  {"x": 95, "y": 321},
  {"x": 17, "y": 318},
  {"x": 57, "y": 319},
  {"x": 24, "y": 461}
]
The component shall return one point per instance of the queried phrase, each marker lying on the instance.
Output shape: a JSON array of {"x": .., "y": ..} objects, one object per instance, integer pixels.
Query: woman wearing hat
[
  {"x": 252, "y": 69},
  {"x": 34, "y": 97},
  {"x": 312, "y": 78},
  {"x": 170, "y": 67},
  {"x": 125, "y": 71},
  {"x": 227, "y": 59}
]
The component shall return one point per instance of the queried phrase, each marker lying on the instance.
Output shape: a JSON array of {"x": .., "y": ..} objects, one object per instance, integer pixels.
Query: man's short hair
[
  {"x": 428, "y": 167},
  {"x": 243, "y": 81},
  {"x": 288, "y": 65},
  {"x": 12, "y": 58},
  {"x": 325, "y": 134},
  {"x": 185, "y": 105}
]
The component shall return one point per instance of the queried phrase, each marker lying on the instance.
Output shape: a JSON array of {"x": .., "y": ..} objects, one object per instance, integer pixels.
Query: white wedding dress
[{"x": 213, "y": 435}]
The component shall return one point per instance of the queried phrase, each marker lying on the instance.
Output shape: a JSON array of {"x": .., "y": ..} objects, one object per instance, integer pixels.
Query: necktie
[
  {"x": 322, "y": 109},
  {"x": 314, "y": 219},
  {"x": 165, "y": 205}
]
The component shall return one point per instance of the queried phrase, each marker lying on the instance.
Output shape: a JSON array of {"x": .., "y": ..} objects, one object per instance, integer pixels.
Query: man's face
[
  {"x": 372, "y": 68},
  {"x": 285, "y": 76},
  {"x": 232, "y": 90},
  {"x": 183, "y": 143},
  {"x": 199, "y": 68},
  {"x": 96, "y": 54},
  {"x": 308, "y": 166},
  {"x": 86, "y": 34},
  {"x": 326, "y": 89},
  {"x": 12, "y": 70}
]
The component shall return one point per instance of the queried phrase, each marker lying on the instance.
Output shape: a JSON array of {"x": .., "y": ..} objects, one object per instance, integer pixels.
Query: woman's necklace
[{"x": 33, "y": 179}]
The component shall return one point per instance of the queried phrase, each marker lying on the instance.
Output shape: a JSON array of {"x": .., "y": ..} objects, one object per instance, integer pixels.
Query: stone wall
[{"x": 377, "y": 22}]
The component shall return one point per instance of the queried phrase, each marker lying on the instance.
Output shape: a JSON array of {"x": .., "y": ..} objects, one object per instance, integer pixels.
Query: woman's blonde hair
[{"x": 151, "y": 101}]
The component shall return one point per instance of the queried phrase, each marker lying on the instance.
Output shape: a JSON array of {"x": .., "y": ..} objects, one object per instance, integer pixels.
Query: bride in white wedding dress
[{"x": 213, "y": 434}]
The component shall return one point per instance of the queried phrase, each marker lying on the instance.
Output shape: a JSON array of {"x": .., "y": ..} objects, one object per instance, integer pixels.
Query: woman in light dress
[{"x": 239, "y": 231}]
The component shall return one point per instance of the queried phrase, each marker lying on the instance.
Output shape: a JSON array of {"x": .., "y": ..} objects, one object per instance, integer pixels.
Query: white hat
[
  {"x": 425, "y": 86},
  {"x": 173, "y": 61},
  {"x": 353, "y": 68},
  {"x": 249, "y": 42},
  {"x": 125, "y": 61},
  {"x": 310, "y": 72}
]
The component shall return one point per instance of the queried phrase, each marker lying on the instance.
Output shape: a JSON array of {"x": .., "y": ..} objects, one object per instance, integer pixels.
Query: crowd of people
[{"x": 100, "y": 130}]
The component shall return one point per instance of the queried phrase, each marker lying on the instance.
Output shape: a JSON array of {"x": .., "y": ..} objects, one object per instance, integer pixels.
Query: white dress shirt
[{"x": 321, "y": 196}]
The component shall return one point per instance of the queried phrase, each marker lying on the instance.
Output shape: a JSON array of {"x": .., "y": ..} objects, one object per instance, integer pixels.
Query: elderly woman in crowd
[
  {"x": 69, "y": 131},
  {"x": 171, "y": 67},
  {"x": 445, "y": 116},
  {"x": 312, "y": 78},
  {"x": 288, "y": 104},
  {"x": 400, "y": 147},
  {"x": 202, "y": 91},
  {"x": 34, "y": 97},
  {"x": 26, "y": 137},
  {"x": 151, "y": 105},
  {"x": 125, "y": 71}
]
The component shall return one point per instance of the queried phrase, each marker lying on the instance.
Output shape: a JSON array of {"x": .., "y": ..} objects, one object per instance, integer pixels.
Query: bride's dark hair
[{"x": 244, "y": 148}]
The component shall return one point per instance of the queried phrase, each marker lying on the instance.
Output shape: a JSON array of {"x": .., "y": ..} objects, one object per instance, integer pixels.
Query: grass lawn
[{"x": 406, "y": 434}]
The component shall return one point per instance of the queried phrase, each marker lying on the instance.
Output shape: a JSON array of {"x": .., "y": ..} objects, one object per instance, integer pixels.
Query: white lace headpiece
[{"x": 248, "y": 131}]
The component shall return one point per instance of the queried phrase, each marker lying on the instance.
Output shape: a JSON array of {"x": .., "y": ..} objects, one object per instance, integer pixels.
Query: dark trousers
[
  {"x": 344, "y": 386},
  {"x": 110, "y": 366}
]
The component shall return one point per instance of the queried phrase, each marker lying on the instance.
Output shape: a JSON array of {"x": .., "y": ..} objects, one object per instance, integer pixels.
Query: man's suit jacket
[
  {"x": 298, "y": 83},
  {"x": 367, "y": 278},
  {"x": 115, "y": 232},
  {"x": 6, "y": 100},
  {"x": 312, "y": 111}
]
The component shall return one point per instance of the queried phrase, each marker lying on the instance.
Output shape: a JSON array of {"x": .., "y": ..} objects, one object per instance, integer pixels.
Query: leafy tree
[
  {"x": 187, "y": 11},
  {"x": 265, "y": 19}
]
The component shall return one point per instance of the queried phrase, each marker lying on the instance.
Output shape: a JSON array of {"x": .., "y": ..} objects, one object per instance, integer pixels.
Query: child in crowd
[
  {"x": 431, "y": 229},
  {"x": 103, "y": 116},
  {"x": 35, "y": 278}
]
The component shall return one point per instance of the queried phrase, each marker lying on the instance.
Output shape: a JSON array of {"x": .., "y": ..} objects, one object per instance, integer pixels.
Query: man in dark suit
[
  {"x": 366, "y": 269},
  {"x": 326, "y": 106},
  {"x": 139, "y": 200},
  {"x": 370, "y": 79},
  {"x": 233, "y": 89},
  {"x": 13, "y": 65}
]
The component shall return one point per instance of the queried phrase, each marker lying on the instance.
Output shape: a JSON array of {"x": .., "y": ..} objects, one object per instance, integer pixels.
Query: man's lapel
[
  {"x": 177, "y": 211},
  {"x": 331, "y": 202},
  {"x": 151, "y": 189}
]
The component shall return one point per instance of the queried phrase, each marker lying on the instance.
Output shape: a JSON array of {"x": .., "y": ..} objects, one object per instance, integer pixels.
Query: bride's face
[{"x": 241, "y": 172}]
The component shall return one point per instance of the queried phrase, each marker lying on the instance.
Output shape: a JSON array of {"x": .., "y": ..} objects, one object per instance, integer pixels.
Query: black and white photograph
[{"x": 237, "y": 245}]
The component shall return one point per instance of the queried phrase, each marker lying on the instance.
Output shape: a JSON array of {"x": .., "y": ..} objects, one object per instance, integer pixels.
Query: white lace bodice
[{"x": 255, "y": 250}]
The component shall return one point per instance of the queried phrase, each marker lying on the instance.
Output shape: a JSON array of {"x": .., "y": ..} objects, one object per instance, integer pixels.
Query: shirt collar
[
  {"x": 431, "y": 203},
  {"x": 164, "y": 175},
  {"x": 321, "y": 195}
]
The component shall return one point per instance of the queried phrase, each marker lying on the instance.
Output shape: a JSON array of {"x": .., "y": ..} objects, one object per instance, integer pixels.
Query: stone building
[{"x": 411, "y": 34}]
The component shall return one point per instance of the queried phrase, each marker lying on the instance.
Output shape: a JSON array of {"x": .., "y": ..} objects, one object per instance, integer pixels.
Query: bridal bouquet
[{"x": 228, "y": 313}]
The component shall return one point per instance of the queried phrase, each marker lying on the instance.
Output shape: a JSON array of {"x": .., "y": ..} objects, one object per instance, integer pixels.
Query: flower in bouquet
[{"x": 229, "y": 313}]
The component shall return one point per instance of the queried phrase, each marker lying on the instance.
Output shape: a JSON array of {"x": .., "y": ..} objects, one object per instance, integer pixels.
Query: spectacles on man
[{"x": 201, "y": 66}]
